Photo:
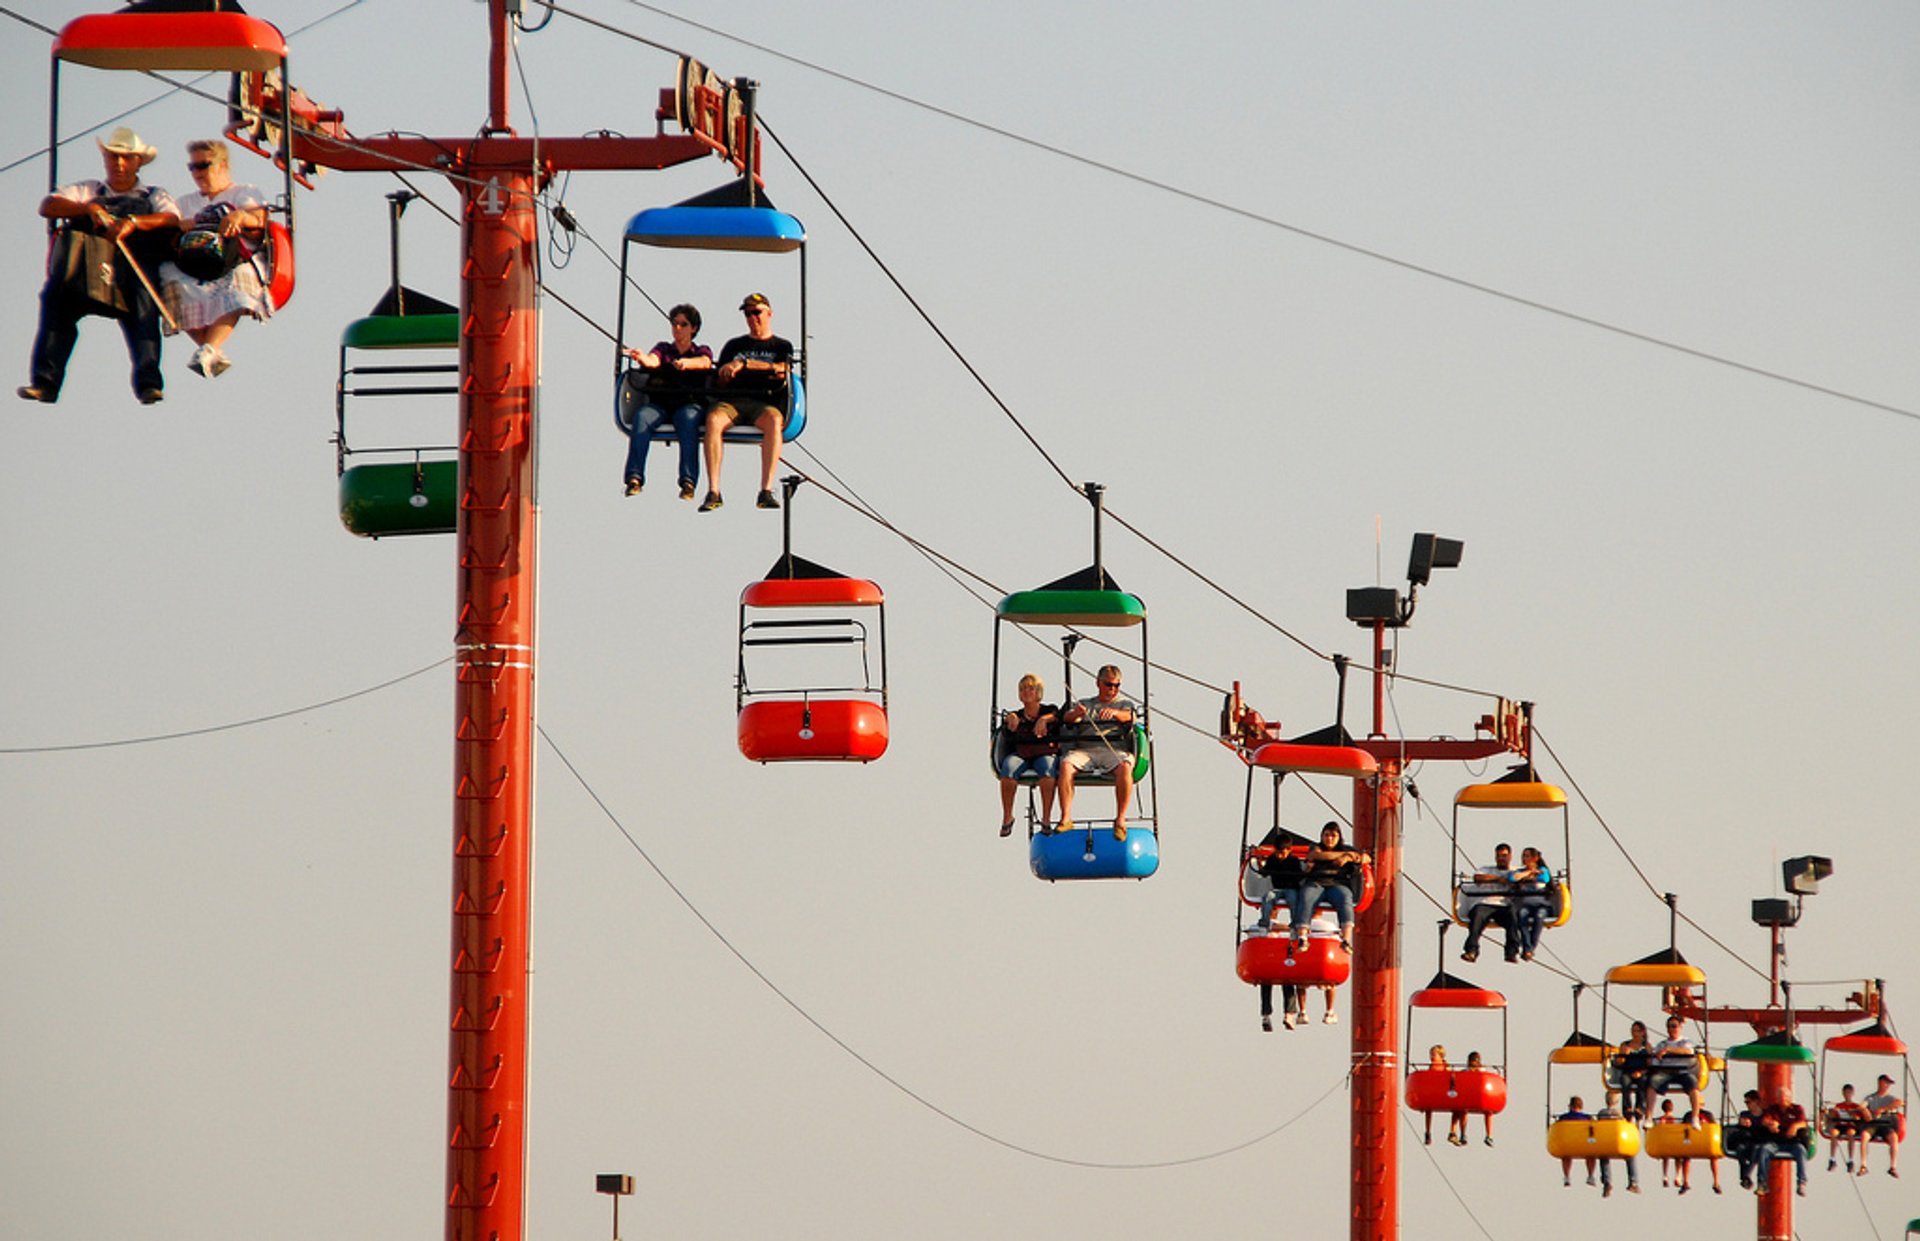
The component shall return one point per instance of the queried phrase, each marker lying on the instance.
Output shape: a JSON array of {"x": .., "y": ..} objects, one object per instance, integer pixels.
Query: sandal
[
  {"x": 1119, "y": 831},
  {"x": 1006, "y": 829}
]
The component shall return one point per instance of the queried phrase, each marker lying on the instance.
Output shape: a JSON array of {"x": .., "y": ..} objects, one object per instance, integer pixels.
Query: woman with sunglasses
[
  {"x": 212, "y": 282},
  {"x": 677, "y": 375}
]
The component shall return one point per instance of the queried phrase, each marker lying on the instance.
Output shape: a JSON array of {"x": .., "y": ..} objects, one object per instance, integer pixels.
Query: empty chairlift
[
  {"x": 405, "y": 358},
  {"x": 800, "y": 608}
]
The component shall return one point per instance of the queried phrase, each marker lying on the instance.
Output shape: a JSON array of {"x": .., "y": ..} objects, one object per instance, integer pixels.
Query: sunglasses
[
  {"x": 758, "y": 312},
  {"x": 681, "y": 323},
  {"x": 199, "y": 165},
  {"x": 1109, "y": 685}
]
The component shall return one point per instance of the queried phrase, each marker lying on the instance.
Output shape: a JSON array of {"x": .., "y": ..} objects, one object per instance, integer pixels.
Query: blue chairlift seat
[{"x": 752, "y": 230}]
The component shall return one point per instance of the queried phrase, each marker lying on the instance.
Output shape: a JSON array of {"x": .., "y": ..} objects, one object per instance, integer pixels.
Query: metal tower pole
[
  {"x": 494, "y": 710},
  {"x": 1374, "y": 1100}
]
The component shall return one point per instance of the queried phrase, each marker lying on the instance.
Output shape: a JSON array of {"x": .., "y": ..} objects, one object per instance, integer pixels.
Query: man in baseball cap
[{"x": 753, "y": 373}]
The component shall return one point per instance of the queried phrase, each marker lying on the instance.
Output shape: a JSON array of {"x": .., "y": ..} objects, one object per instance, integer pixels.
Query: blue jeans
[
  {"x": 1301, "y": 900},
  {"x": 1039, "y": 767},
  {"x": 688, "y": 422},
  {"x": 60, "y": 315},
  {"x": 1530, "y": 916},
  {"x": 1770, "y": 1151}
]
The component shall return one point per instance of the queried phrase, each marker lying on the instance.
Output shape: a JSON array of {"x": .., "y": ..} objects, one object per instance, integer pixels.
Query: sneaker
[
  {"x": 686, "y": 489},
  {"x": 34, "y": 392},
  {"x": 711, "y": 503},
  {"x": 1454, "y": 1139},
  {"x": 1746, "y": 1182},
  {"x": 218, "y": 363},
  {"x": 1832, "y": 1164},
  {"x": 1565, "y": 1183},
  {"x": 633, "y": 486},
  {"x": 1606, "y": 1191},
  {"x": 1849, "y": 1165},
  {"x": 1488, "y": 1139},
  {"x": 1894, "y": 1173},
  {"x": 1589, "y": 1179},
  {"x": 1801, "y": 1189},
  {"x": 1633, "y": 1189},
  {"x": 151, "y": 396},
  {"x": 766, "y": 499},
  {"x": 1716, "y": 1189},
  {"x": 1470, "y": 956},
  {"x": 198, "y": 362},
  {"x": 1429, "y": 1141},
  {"x": 1266, "y": 1023},
  {"x": 1330, "y": 1019},
  {"x": 1685, "y": 1188},
  {"x": 1287, "y": 1021}
]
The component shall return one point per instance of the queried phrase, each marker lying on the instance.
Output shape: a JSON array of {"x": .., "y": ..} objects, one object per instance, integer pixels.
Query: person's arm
[{"x": 701, "y": 359}]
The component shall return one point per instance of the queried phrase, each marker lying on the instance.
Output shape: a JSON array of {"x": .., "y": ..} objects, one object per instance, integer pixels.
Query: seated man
[
  {"x": 1676, "y": 1062},
  {"x": 1740, "y": 1137},
  {"x": 99, "y": 266},
  {"x": 753, "y": 372},
  {"x": 1100, "y": 744},
  {"x": 1883, "y": 1124},
  {"x": 1782, "y": 1134},
  {"x": 1493, "y": 907}
]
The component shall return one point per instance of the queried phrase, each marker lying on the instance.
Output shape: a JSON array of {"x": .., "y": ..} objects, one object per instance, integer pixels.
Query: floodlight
[
  {"x": 1431, "y": 552},
  {"x": 1802, "y": 875}
]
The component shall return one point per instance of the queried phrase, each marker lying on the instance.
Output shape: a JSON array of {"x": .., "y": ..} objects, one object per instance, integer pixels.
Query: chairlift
[
  {"x": 713, "y": 222},
  {"x": 1088, "y": 599},
  {"x": 1477, "y": 1091},
  {"x": 406, "y": 488},
  {"x": 1596, "y": 1138},
  {"x": 157, "y": 39},
  {"x": 1878, "y": 1042},
  {"x": 815, "y": 607},
  {"x": 1519, "y": 789}
]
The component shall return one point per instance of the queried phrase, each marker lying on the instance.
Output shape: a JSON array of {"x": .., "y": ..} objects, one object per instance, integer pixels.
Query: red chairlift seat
[
  {"x": 1481, "y": 1091},
  {"x": 811, "y": 723},
  {"x": 215, "y": 42}
]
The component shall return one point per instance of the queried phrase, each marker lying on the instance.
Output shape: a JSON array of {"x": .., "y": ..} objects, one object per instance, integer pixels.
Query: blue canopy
[{"x": 759, "y": 229}]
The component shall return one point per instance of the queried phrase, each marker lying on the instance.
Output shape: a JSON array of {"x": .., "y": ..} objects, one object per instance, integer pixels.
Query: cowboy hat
[{"x": 123, "y": 141}]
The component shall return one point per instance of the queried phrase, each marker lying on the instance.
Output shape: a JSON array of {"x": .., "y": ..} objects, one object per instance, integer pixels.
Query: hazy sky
[{"x": 225, "y": 955}]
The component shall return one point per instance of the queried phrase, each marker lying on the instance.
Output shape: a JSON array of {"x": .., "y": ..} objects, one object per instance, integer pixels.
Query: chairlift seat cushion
[
  {"x": 1593, "y": 1139},
  {"x": 1063, "y": 855},
  {"x": 812, "y": 592},
  {"x": 762, "y": 230},
  {"x": 845, "y": 730},
  {"x": 1684, "y": 1142},
  {"x": 1274, "y": 959},
  {"x": 1481, "y": 1092},
  {"x": 379, "y": 500}
]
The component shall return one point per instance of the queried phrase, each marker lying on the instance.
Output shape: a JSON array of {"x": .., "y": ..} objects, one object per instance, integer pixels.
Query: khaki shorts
[{"x": 746, "y": 410}]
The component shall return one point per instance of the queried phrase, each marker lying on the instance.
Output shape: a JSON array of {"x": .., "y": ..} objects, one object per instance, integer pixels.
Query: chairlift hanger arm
[{"x": 397, "y": 153}]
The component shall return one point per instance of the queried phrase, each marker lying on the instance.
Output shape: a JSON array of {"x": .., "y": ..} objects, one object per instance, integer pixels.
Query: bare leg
[
  {"x": 769, "y": 424},
  {"x": 1122, "y": 794},
  {"x": 1046, "y": 799}
]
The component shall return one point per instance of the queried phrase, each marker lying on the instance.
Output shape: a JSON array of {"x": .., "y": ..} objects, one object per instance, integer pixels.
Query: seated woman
[
  {"x": 1532, "y": 900},
  {"x": 1326, "y": 879},
  {"x": 1631, "y": 1064},
  {"x": 1032, "y": 751},
  {"x": 677, "y": 375},
  {"x": 222, "y": 222}
]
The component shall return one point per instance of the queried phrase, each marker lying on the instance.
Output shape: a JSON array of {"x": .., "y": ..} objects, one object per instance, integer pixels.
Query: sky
[{"x": 1622, "y": 298}]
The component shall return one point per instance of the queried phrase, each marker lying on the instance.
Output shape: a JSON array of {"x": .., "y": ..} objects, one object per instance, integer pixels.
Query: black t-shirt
[{"x": 765, "y": 385}]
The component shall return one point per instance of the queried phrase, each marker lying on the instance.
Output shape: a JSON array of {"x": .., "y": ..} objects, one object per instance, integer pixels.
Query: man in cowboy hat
[{"x": 90, "y": 271}]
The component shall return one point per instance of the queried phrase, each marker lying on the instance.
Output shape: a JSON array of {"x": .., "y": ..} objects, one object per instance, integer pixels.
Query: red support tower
[
  {"x": 496, "y": 650},
  {"x": 1374, "y": 1160}
]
